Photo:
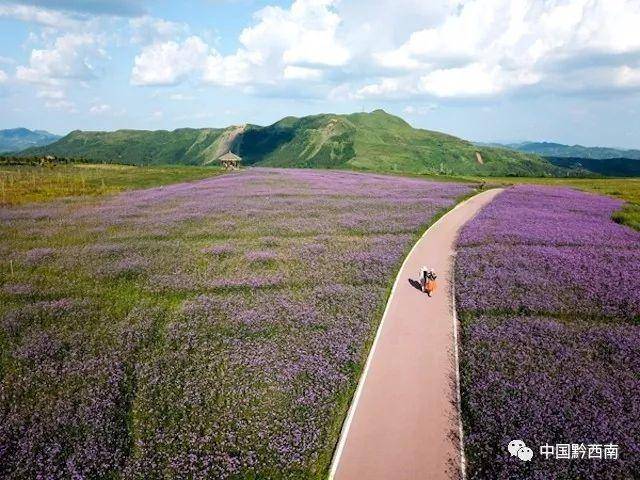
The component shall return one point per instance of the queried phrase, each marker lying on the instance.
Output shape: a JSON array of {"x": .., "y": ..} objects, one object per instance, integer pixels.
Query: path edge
[
  {"x": 456, "y": 359},
  {"x": 346, "y": 425}
]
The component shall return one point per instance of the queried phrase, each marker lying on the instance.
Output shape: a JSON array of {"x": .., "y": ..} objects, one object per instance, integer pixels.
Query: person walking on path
[{"x": 428, "y": 280}]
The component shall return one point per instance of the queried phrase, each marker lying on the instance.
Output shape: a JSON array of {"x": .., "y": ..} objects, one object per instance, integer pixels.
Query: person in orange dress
[{"x": 428, "y": 280}]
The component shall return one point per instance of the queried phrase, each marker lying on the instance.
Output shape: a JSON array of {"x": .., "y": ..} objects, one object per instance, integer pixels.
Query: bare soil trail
[{"x": 404, "y": 411}]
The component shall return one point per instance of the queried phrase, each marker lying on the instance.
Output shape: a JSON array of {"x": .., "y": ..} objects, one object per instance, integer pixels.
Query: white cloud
[
  {"x": 488, "y": 47},
  {"x": 387, "y": 87},
  {"x": 446, "y": 49},
  {"x": 3, "y": 76},
  {"x": 181, "y": 97},
  {"x": 360, "y": 49},
  {"x": 93, "y": 7},
  {"x": 51, "y": 94},
  {"x": 476, "y": 79},
  {"x": 71, "y": 56},
  {"x": 149, "y": 29},
  {"x": 229, "y": 70},
  {"x": 419, "y": 109},
  {"x": 291, "y": 72},
  {"x": 169, "y": 63},
  {"x": 294, "y": 44},
  {"x": 628, "y": 77},
  {"x": 41, "y": 16},
  {"x": 305, "y": 34},
  {"x": 65, "y": 105},
  {"x": 99, "y": 109}
]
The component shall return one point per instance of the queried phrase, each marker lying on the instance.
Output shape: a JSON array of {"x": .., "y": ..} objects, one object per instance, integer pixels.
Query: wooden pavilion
[{"x": 230, "y": 161}]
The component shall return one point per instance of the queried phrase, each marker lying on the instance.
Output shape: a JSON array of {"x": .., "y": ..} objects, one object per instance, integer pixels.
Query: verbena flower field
[
  {"x": 548, "y": 292},
  {"x": 209, "y": 329}
]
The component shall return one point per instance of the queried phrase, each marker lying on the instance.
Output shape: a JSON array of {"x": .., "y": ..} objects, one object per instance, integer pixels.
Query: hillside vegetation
[
  {"x": 375, "y": 141},
  {"x": 186, "y": 146},
  {"x": 378, "y": 141}
]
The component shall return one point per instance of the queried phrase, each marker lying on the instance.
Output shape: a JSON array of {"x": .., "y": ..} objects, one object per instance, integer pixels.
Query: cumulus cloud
[
  {"x": 488, "y": 47},
  {"x": 291, "y": 44},
  {"x": 3, "y": 76},
  {"x": 71, "y": 56},
  {"x": 387, "y": 87},
  {"x": 440, "y": 49},
  {"x": 168, "y": 63},
  {"x": 408, "y": 50},
  {"x": 295, "y": 44},
  {"x": 291, "y": 72}
]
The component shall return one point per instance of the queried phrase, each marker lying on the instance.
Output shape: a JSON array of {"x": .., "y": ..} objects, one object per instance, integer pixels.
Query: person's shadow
[{"x": 415, "y": 284}]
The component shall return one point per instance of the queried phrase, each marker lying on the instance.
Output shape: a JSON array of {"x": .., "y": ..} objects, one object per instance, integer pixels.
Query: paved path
[{"x": 402, "y": 417}]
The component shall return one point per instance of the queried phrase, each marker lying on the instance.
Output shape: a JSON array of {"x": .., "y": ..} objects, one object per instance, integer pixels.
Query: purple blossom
[
  {"x": 18, "y": 289},
  {"x": 549, "y": 297},
  {"x": 36, "y": 256},
  {"x": 218, "y": 250},
  {"x": 260, "y": 256},
  {"x": 147, "y": 355}
]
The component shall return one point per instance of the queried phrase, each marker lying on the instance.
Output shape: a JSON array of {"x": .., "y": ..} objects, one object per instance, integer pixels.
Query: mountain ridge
[
  {"x": 553, "y": 149},
  {"x": 374, "y": 141}
]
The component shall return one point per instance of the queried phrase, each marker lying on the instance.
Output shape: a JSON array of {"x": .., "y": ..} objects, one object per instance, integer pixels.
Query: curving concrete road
[{"x": 403, "y": 414}]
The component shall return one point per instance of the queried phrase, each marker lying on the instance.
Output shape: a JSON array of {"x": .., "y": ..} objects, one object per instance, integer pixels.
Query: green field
[{"x": 24, "y": 184}]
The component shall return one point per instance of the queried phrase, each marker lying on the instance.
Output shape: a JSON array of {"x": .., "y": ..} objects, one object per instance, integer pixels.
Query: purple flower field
[
  {"x": 209, "y": 329},
  {"x": 548, "y": 293}
]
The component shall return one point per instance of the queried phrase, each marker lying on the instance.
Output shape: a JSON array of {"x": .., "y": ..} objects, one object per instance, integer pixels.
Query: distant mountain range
[
  {"x": 610, "y": 167},
  {"x": 16, "y": 139},
  {"x": 613, "y": 162},
  {"x": 549, "y": 149},
  {"x": 375, "y": 141}
]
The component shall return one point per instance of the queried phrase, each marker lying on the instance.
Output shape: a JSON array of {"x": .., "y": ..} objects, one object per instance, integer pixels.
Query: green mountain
[
  {"x": 15, "y": 139},
  {"x": 549, "y": 149},
  {"x": 374, "y": 141},
  {"x": 378, "y": 141}
]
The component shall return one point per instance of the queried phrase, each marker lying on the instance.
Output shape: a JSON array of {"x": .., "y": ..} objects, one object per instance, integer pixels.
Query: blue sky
[{"x": 487, "y": 70}]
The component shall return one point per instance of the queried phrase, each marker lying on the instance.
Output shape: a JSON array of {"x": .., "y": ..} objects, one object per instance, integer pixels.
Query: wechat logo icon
[{"x": 517, "y": 448}]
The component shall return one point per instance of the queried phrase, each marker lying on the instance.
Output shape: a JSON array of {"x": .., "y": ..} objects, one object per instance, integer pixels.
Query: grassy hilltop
[
  {"x": 375, "y": 141},
  {"x": 378, "y": 141}
]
